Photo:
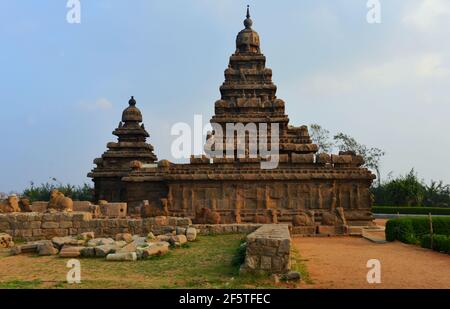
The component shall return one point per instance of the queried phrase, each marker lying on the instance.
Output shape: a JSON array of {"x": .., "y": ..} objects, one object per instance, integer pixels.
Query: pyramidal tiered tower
[
  {"x": 313, "y": 192},
  {"x": 248, "y": 96},
  {"x": 115, "y": 163}
]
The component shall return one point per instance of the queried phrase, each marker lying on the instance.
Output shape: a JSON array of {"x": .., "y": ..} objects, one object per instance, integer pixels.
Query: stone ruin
[{"x": 313, "y": 192}]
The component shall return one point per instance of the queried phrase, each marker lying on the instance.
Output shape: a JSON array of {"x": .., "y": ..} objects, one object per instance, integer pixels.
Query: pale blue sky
[{"x": 63, "y": 86}]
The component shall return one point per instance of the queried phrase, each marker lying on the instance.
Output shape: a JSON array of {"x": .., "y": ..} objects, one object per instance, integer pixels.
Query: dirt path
[{"x": 340, "y": 262}]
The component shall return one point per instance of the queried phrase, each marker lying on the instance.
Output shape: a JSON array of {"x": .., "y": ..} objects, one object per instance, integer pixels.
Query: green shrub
[
  {"x": 426, "y": 241},
  {"x": 42, "y": 192},
  {"x": 412, "y": 230},
  {"x": 411, "y": 210},
  {"x": 441, "y": 243},
  {"x": 239, "y": 256}
]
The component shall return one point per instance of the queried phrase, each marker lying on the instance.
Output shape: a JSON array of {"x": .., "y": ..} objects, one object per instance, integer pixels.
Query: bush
[
  {"x": 412, "y": 230},
  {"x": 409, "y": 190},
  {"x": 239, "y": 256},
  {"x": 411, "y": 210},
  {"x": 42, "y": 192},
  {"x": 441, "y": 243}
]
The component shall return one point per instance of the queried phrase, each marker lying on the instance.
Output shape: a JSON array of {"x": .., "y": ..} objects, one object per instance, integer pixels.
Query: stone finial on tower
[{"x": 248, "y": 22}]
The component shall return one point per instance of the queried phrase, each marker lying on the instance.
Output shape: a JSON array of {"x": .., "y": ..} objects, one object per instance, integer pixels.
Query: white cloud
[
  {"x": 99, "y": 104},
  {"x": 427, "y": 14},
  {"x": 414, "y": 69}
]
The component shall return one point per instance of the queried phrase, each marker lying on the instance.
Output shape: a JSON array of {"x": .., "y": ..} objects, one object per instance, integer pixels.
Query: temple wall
[
  {"x": 242, "y": 201},
  {"x": 110, "y": 189}
]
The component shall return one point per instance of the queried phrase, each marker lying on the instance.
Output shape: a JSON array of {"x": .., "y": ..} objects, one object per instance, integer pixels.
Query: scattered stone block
[
  {"x": 122, "y": 256},
  {"x": 125, "y": 237},
  {"x": 28, "y": 248},
  {"x": 158, "y": 248},
  {"x": 100, "y": 241},
  {"x": 292, "y": 276},
  {"x": 131, "y": 247},
  {"x": 180, "y": 230},
  {"x": 150, "y": 236},
  {"x": 70, "y": 251},
  {"x": 104, "y": 250},
  {"x": 87, "y": 252},
  {"x": 46, "y": 248},
  {"x": 114, "y": 210},
  {"x": 178, "y": 240},
  {"x": 191, "y": 233},
  {"x": 164, "y": 238},
  {"x": 6, "y": 241}
]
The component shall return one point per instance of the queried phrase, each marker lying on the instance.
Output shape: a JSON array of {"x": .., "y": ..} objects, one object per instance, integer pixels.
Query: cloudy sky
[{"x": 63, "y": 86}]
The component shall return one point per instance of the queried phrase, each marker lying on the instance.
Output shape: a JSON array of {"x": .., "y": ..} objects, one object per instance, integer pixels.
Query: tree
[
  {"x": 321, "y": 137},
  {"x": 372, "y": 156}
]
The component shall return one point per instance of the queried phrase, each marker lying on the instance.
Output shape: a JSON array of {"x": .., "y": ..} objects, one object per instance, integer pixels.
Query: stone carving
[
  {"x": 6, "y": 241},
  {"x": 207, "y": 216},
  {"x": 10, "y": 205},
  {"x": 59, "y": 202},
  {"x": 304, "y": 219},
  {"x": 148, "y": 211},
  {"x": 25, "y": 205}
]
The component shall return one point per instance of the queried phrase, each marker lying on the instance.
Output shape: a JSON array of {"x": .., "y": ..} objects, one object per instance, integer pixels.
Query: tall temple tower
[
  {"x": 248, "y": 96},
  {"x": 117, "y": 161}
]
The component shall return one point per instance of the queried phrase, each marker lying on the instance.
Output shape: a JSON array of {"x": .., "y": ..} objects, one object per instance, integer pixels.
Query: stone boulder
[
  {"x": 164, "y": 238},
  {"x": 70, "y": 251},
  {"x": 131, "y": 247},
  {"x": 59, "y": 242},
  {"x": 155, "y": 249},
  {"x": 139, "y": 240},
  {"x": 6, "y": 241},
  {"x": 104, "y": 250},
  {"x": 87, "y": 252},
  {"x": 122, "y": 256},
  {"x": 100, "y": 241},
  {"x": 125, "y": 237},
  {"x": 180, "y": 231},
  {"x": 46, "y": 248},
  {"x": 178, "y": 240},
  {"x": 191, "y": 233}
]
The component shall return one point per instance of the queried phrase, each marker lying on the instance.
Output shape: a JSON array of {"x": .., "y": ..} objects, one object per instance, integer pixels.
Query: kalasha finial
[
  {"x": 248, "y": 22},
  {"x": 132, "y": 101}
]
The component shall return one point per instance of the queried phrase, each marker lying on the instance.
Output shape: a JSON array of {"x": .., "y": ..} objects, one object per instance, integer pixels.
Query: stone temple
[{"x": 307, "y": 189}]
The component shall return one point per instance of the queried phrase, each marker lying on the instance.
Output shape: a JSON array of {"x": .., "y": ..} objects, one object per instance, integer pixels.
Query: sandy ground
[{"x": 340, "y": 262}]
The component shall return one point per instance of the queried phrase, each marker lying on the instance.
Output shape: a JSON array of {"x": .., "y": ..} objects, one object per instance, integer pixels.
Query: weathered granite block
[
  {"x": 270, "y": 245},
  {"x": 50, "y": 225}
]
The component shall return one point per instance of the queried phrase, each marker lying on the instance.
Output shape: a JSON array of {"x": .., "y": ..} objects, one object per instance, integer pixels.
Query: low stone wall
[
  {"x": 212, "y": 229},
  {"x": 37, "y": 226},
  {"x": 268, "y": 249}
]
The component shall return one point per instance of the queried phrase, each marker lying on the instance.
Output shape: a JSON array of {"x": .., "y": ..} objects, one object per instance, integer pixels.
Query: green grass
[
  {"x": 205, "y": 263},
  {"x": 299, "y": 265},
  {"x": 20, "y": 284}
]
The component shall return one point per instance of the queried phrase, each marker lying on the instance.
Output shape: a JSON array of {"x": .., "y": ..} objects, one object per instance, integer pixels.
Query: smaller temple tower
[{"x": 116, "y": 162}]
